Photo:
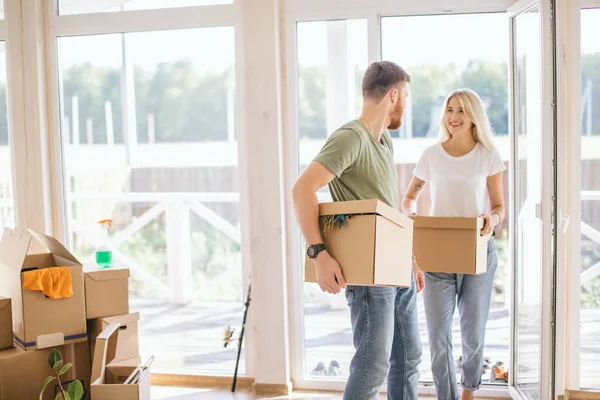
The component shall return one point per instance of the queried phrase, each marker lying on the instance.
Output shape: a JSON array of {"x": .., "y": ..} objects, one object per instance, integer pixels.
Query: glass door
[
  {"x": 586, "y": 247},
  {"x": 531, "y": 135}
]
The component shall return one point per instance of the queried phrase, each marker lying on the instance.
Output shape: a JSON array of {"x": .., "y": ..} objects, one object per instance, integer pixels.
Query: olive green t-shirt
[{"x": 364, "y": 168}]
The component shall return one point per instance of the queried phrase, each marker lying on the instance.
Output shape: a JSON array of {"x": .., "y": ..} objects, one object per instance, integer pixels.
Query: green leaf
[
  {"x": 54, "y": 357},
  {"x": 46, "y": 382},
  {"x": 59, "y": 396},
  {"x": 58, "y": 365},
  {"x": 75, "y": 390},
  {"x": 65, "y": 368}
]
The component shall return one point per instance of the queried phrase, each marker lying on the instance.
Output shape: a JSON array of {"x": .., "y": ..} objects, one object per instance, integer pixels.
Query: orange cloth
[
  {"x": 55, "y": 282},
  {"x": 500, "y": 373}
]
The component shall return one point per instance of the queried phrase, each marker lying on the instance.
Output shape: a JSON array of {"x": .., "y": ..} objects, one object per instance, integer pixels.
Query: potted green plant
[{"x": 75, "y": 389}]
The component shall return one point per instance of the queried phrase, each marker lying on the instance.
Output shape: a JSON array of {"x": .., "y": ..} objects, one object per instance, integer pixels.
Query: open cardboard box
[
  {"x": 108, "y": 381},
  {"x": 128, "y": 344},
  {"x": 6, "y": 334},
  {"x": 374, "y": 246},
  {"x": 38, "y": 321},
  {"x": 450, "y": 244}
]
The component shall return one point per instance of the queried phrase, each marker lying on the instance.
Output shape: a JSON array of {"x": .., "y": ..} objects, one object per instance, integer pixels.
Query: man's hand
[
  {"x": 419, "y": 276},
  {"x": 329, "y": 273}
]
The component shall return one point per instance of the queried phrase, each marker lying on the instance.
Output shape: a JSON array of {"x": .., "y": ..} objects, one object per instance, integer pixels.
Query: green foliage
[
  {"x": 590, "y": 291},
  {"x": 75, "y": 389},
  {"x": 93, "y": 86},
  {"x": 189, "y": 107},
  {"x": 312, "y": 122},
  {"x": 490, "y": 82},
  {"x": 54, "y": 358},
  {"x": 186, "y": 107},
  {"x": 590, "y": 71}
]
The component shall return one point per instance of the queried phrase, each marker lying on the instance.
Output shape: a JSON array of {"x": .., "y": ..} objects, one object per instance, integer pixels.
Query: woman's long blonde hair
[{"x": 473, "y": 107}]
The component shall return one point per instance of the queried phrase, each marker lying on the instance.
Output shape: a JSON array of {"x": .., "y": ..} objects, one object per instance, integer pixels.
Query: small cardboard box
[
  {"x": 106, "y": 293},
  {"x": 6, "y": 333},
  {"x": 109, "y": 381},
  {"x": 373, "y": 247},
  {"x": 450, "y": 245},
  {"x": 38, "y": 321},
  {"x": 128, "y": 343},
  {"x": 22, "y": 373}
]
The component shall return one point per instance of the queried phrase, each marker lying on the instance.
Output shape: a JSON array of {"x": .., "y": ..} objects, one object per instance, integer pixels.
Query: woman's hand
[{"x": 488, "y": 224}]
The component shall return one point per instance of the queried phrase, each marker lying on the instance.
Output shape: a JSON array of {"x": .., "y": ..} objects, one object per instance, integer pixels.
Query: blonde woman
[{"x": 464, "y": 173}]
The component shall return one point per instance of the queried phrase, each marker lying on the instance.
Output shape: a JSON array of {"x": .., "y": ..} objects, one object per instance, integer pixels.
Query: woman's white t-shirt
[{"x": 458, "y": 185}]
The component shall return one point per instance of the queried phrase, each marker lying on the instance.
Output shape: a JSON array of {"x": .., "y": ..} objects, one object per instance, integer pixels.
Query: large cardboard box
[
  {"x": 109, "y": 381},
  {"x": 39, "y": 321},
  {"x": 22, "y": 373},
  {"x": 373, "y": 247},
  {"x": 6, "y": 334},
  {"x": 128, "y": 342},
  {"x": 450, "y": 245},
  {"x": 106, "y": 292}
]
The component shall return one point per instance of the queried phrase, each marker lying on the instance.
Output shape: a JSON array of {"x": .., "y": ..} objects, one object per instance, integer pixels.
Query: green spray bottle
[{"x": 103, "y": 251}]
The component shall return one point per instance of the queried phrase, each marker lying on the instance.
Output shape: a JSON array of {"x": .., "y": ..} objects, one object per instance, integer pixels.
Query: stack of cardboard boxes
[
  {"x": 374, "y": 243},
  {"x": 51, "y": 302}
]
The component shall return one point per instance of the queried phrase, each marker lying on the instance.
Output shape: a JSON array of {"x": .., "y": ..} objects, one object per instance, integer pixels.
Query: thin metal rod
[{"x": 237, "y": 362}]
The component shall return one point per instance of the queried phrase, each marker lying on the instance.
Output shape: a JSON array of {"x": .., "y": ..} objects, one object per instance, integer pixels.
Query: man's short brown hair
[{"x": 380, "y": 77}]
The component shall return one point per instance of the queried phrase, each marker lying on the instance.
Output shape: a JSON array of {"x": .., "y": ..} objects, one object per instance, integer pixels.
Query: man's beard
[{"x": 396, "y": 117}]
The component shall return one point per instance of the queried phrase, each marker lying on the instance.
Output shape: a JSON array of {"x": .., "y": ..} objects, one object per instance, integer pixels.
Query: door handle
[{"x": 565, "y": 220}]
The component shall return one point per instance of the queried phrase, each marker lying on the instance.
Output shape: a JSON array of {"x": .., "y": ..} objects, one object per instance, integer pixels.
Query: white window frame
[
  {"x": 319, "y": 10},
  {"x": 512, "y": 11},
  {"x": 569, "y": 197}
]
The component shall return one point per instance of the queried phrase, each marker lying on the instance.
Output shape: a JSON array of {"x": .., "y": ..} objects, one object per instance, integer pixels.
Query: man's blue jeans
[
  {"x": 386, "y": 337},
  {"x": 473, "y": 294}
]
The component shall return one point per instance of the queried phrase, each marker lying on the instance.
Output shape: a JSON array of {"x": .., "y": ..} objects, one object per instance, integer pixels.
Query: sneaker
[
  {"x": 319, "y": 370},
  {"x": 334, "y": 369}
]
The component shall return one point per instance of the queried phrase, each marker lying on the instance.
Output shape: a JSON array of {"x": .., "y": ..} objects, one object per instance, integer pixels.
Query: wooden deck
[{"x": 188, "y": 339}]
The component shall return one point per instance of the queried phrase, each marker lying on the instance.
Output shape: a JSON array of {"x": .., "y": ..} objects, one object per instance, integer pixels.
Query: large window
[
  {"x": 443, "y": 53},
  {"x": 149, "y": 140},
  {"x": 590, "y": 199}
]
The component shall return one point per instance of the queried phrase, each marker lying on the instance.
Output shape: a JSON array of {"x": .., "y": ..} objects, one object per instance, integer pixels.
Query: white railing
[
  {"x": 586, "y": 230},
  {"x": 177, "y": 208}
]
